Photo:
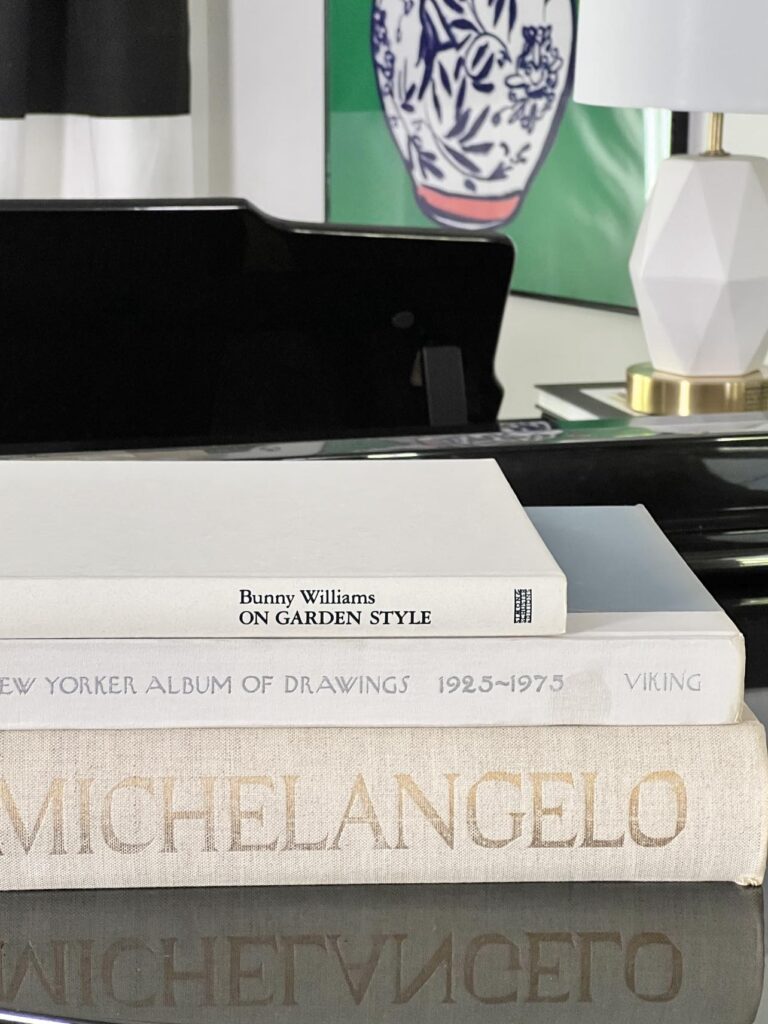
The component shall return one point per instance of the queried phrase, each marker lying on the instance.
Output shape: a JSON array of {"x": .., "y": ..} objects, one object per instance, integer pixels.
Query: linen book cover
[
  {"x": 253, "y": 549},
  {"x": 144, "y": 808},
  {"x": 592, "y": 954},
  {"x": 645, "y": 644}
]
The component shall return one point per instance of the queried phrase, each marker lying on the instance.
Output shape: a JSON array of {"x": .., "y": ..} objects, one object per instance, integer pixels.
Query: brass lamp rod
[{"x": 715, "y": 136}]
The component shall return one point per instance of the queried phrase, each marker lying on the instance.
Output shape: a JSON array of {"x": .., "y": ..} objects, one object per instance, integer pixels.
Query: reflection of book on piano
[{"x": 577, "y": 954}]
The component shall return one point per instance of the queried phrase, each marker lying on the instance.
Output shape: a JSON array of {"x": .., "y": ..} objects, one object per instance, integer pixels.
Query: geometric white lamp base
[{"x": 700, "y": 266}]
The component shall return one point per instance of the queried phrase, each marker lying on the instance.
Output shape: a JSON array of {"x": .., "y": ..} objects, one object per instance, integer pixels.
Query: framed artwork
[{"x": 458, "y": 113}]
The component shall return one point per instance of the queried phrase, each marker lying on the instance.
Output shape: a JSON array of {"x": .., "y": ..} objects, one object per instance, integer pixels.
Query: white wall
[
  {"x": 557, "y": 343},
  {"x": 278, "y": 104},
  {"x": 744, "y": 133},
  {"x": 259, "y": 102}
]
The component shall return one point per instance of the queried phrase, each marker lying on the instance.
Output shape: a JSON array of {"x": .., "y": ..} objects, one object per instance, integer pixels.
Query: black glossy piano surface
[{"x": 132, "y": 324}]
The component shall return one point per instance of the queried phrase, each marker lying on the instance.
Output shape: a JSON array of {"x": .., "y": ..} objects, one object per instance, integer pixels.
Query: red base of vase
[{"x": 467, "y": 211}]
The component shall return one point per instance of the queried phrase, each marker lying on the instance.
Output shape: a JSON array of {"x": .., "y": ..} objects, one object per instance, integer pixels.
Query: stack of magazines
[{"x": 384, "y": 670}]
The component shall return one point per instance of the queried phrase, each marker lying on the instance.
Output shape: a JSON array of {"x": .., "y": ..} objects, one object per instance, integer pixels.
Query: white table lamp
[{"x": 700, "y": 262}]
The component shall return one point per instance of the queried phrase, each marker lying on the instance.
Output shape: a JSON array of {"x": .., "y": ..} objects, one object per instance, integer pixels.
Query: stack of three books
[{"x": 323, "y": 672}]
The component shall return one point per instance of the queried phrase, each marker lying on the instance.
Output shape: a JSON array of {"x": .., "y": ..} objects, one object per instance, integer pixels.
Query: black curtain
[{"x": 106, "y": 58}]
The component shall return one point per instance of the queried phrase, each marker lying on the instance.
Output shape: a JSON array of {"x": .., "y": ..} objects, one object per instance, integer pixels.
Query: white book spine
[
  {"x": 282, "y": 607},
  {"x": 587, "y": 678}
]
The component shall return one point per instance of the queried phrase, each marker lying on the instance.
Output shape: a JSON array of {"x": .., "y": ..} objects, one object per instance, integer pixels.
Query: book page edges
[{"x": 756, "y": 877}]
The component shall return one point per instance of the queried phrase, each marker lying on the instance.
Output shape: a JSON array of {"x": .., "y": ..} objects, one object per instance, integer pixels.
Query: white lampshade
[{"x": 695, "y": 55}]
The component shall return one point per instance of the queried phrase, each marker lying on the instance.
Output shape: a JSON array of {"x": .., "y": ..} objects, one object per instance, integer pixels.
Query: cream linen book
[
  {"x": 534, "y": 954},
  {"x": 646, "y": 644},
  {"x": 253, "y": 549},
  {"x": 111, "y": 809}
]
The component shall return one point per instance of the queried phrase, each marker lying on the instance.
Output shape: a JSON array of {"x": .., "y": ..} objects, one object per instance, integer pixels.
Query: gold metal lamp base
[{"x": 655, "y": 393}]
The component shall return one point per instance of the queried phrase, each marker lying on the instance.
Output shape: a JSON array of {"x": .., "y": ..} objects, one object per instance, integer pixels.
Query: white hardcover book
[
  {"x": 257, "y": 549},
  {"x": 646, "y": 644}
]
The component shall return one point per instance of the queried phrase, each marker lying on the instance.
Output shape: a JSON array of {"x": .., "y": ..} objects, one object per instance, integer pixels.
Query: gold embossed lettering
[
  {"x": 113, "y": 841},
  {"x": 540, "y": 811},
  {"x": 475, "y": 832},
  {"x": 238, "y": 815},
  {"x": 673, "y": 780},
  {"x": 590, "y": 839},
  {"x": 445, "y": 829},
  {"x": 53, "y": 802},
  {"x": 365, "y": 815},
  {"x": 84, "y": 803},
  {"x": 206, "y": 814},
  {"x": 291, "y": 842}
]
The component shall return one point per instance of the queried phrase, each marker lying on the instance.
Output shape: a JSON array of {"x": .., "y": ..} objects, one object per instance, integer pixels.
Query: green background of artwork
[{"x": 575, "y": 230}]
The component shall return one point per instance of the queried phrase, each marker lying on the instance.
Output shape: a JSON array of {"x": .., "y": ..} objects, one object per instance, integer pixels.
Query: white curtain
[
  {"x": 256, "y": 130},
  {"x": 73, "y": 156},
  {"x": 95, "y": 98}
]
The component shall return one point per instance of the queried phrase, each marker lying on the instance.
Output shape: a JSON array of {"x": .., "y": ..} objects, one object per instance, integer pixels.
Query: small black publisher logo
[{"x": 523, "y": 606}]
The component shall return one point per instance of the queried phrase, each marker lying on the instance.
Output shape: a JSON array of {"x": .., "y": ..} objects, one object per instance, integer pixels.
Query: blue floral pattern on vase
[{"x": 473, "y": 92}]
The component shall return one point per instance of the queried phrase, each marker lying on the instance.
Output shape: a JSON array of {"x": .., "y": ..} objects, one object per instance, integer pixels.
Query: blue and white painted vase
[{"x": 473, "y": 92}]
